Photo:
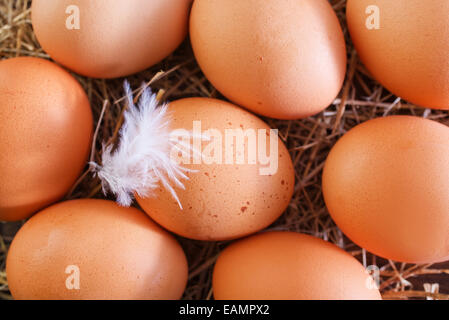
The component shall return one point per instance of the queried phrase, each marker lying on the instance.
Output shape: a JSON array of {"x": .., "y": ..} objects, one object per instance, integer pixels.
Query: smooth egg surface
[
  {"x": 94, "y": 249},
  {"x": 385, "y": 184},
  {"x": 289, "y": 266},
  {"x": 110, "y": 38},
  {"x": 283, "y": 59},
  {"x": 45, "y": 135},
  {"x": 404, "y": 45}
]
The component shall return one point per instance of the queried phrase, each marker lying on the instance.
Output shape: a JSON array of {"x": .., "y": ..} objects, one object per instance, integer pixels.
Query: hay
[{"x": 308, "y": 140}]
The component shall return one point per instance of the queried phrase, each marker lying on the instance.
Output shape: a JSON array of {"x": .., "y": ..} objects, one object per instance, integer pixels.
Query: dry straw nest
[{"x": 308, "y": 140}]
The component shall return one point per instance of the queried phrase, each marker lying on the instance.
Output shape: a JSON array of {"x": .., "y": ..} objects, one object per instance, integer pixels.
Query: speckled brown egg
[
  {"x": 224, "y": 200},
  {"x": 289, "y": 266},
  {"x": 110, "y": 38},
  {"x": 45, "y": 135},
  {"x": 94, "y": 249},
  {"x": 283, "y": 59},
  {"x": 404, "y": 44},
  {"x": 386, "y": 185}
]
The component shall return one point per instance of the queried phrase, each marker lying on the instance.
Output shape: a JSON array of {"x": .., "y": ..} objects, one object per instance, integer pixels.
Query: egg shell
[
  {"x": 385, "y": 184},
  {"x": 119, "y": 252},
  {"x": 222, "y": 201},
  {"x": 283, "y": 59},
  {"x": 408, "y": 53},
  {"x": 289, "y": 266},
  {"x": 115, "y": 37},
  {"x": 45, "y": 135}
]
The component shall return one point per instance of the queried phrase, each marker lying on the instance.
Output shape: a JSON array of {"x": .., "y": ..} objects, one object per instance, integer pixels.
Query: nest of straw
[{"x": 308, "y": 140}]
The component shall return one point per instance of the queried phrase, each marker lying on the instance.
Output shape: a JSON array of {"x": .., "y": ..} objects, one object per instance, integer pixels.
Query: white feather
[{"x": 142, "y": 159}]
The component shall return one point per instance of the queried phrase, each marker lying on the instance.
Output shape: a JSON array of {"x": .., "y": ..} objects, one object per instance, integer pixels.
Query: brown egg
[
  {"x": 283, "y": 59},
  {"x": 290, "y": 266},
  {"x": 224, "y": 199},
  {"x": 404, "y": 44},
  {"x": 110, "y": 38},
  {"x": 45, "y": 135},
  {"x": 94, "y": 249},
  {"x": 386, "y": 185}
]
